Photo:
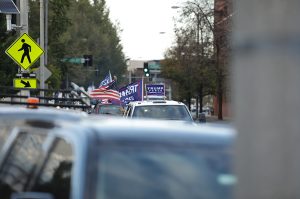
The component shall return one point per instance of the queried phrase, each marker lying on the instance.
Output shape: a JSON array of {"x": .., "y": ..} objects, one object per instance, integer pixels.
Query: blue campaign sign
[
  {"x": 132, "y": 92},
  {"x": 155, "y": 89}
]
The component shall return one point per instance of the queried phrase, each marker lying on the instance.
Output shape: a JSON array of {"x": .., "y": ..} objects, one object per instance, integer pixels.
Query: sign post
[{"x": 25, "y": 52}]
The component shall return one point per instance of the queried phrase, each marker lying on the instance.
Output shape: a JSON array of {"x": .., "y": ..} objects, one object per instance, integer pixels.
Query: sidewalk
[{"x": 214, "y": 119}]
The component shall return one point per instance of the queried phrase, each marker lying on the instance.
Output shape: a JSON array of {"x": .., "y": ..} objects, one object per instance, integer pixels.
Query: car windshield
[
  {"x": 164, "y": 173},
  {"x": 167, "y": 112}
]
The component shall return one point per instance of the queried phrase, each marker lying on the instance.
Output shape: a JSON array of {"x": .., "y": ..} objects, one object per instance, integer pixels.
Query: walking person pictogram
[{"x": 27, "y": 49}]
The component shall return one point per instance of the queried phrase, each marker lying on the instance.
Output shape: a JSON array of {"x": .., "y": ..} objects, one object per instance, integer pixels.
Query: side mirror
[{"x": 31, "y": 195}]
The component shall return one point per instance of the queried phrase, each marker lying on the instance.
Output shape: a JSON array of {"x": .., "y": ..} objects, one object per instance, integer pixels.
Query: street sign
[
  {"x": 47, "y": 73},
  {"x": 24, "y": 51},
  {"x": 154, "y": 65},
  {"x": 25, "y": 83},
  {"x": 74, "y": 60}
]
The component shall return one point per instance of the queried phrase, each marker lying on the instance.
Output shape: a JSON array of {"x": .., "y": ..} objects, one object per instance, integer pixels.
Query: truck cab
[{"x": 117, "y": 158}]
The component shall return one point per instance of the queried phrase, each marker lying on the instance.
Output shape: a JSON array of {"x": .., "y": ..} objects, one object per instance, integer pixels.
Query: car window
[
  {"x": 168, "y": 112},
  {"x": 4, "y": 132},
  {"x": 128, "y": 111},
  {"x": 55, "y": 177},
  {"x": 164, "y": 173},
  {"x": 6, "y": 127},
  {"x": 110, "y": 109},
  {"x": 20, "y": 163}
]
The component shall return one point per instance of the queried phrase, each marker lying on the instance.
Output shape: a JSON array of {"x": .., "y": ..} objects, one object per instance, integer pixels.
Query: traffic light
[
  {"x": 88, "y": 60},
  {"x": 146, "y": 69}
]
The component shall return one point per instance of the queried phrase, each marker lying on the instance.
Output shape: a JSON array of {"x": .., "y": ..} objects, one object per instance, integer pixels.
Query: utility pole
[
  {"x": 266, "y": 79},
  {"x": 198, "y": 62},
  {"x": 42, "y": 44},
  {"x": 46, "y": 33},
  {"x": 24, "y": 9}
]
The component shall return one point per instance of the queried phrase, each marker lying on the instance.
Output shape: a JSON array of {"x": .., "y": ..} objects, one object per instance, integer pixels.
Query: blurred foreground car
[
  {"x": 43, "y": 118},
  {"x": 158, "y": 109},
  {"x": 133, "y": 159}
]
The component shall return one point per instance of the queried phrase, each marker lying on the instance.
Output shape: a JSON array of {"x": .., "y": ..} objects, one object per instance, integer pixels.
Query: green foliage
[
  {"x": 55, "y": 80},
  {"x": 57, "y": 25},
  {"x": 93, "y": 34},
  {"x": 8, "y": 68}
]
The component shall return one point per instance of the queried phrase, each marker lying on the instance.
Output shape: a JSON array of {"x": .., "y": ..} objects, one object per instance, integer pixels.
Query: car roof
[
  {"x": 155, "y": 102},
  {"x": 41, "y": 113},
  {"x": 158, "y": 131},
  {"x": 108, "y": 104}
]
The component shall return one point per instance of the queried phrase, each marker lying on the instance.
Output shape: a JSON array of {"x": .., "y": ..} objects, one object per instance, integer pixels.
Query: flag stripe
[
  {"x": 104, "y": 91},
  {"x": 106, "y": 97},
  {"x": 105, "y": 94}
]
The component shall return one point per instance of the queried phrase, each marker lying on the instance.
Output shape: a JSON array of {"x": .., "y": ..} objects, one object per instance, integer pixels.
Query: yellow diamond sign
[{"x": 24, "y": 51}]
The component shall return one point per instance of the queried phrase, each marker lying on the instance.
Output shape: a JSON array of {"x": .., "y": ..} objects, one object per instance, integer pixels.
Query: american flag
[{"x": 107, "y": 92}]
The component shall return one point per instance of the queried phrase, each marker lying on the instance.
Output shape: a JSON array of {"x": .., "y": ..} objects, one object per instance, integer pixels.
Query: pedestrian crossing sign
[{"x": 24, "y": 51}]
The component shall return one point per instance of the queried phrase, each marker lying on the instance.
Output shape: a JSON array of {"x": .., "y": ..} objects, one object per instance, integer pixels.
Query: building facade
[{"x": 223, "y": 13}]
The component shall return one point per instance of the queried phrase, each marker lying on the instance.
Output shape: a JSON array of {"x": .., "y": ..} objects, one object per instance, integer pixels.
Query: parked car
[
  {"x": 118, "y": 158},
  {"x": 158, "y": 109}
]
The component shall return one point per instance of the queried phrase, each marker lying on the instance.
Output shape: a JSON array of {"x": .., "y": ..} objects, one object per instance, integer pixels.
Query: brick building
[{"x": 222, "y": 28}]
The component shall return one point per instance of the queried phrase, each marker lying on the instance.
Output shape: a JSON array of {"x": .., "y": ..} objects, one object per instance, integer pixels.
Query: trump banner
[
  {"x": 132, "y": 92},
  {"x": 155, "y": 89}
]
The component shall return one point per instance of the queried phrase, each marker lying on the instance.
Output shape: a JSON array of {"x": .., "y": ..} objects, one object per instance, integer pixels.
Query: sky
[{"x": 142, "y": 22}]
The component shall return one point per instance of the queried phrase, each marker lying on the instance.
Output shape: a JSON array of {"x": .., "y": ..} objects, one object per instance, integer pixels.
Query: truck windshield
[
  {"x": 164, "y": 173},
  {"x": 166, "y": 112}
]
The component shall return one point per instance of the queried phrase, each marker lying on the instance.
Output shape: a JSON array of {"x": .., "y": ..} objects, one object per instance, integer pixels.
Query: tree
[
  {"x": 58, "y": 23},
  {"x": 207, "y": 40},
  {"x": 177, "y": 66},
  {"x": 93, "y": 33},
  {"x": 195, "y": 49}
]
